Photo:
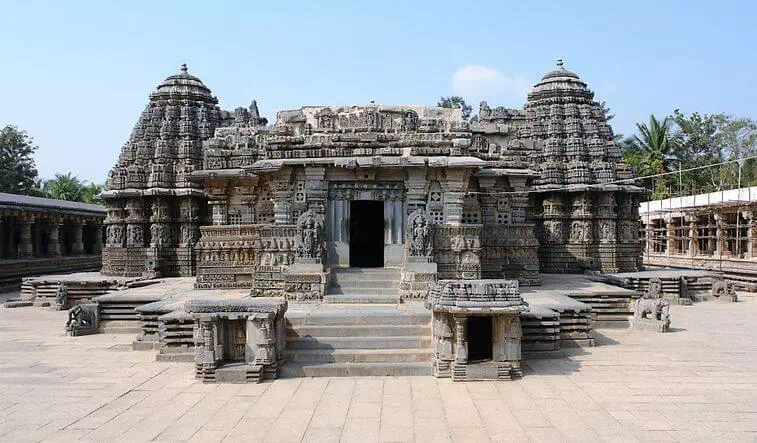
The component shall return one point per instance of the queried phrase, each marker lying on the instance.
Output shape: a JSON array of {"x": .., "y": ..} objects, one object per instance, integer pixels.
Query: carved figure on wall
[
  {"x": 420, "y": 234},
  {"x": 607, "y": 232},
  {"x": 578, "y": 232},
  {"x": 310, "y": 241},
  {"x": 61, "y": 296}
]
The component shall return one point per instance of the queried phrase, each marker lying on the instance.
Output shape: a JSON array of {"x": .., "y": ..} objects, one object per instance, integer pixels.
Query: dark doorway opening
[
  {"x": 234, "y": 340},
  {"x": 479, "y": 338},
  {"x": 367, "y": 234}
]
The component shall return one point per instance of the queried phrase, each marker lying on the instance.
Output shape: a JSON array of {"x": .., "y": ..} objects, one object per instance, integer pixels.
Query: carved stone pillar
[
  {"x": 53, "y": 238},
  {"x": 316, "y": 191},
  {"x": 719, "y": 232},
  {"x": 189, "y": 219},
  {"x": 518, "y": 202},
  {"x": 670, "y": 237},
  {"x": 37, "y": 237},
  {"x": 461, "y": 339},
  {"x": 77, "y": 247},
  {"x": 282, "y": 194},
  {"x": 417, "y": 189},
  {"x": 97, "y": 245},
  {"x": 751, "y": 235},
  {"x": 454, "y": 191},
  {"x": 25, "y": 247},
  {"x": 160, "y": 229},
  {"x": 487, "y": 200},
  {"x": 693, "y": 229},
  {"x": 135, "y": 227}
]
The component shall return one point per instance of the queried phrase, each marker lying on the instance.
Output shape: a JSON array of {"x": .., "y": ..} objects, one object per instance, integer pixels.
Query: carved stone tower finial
[
  {"x": 183, "y": 68},
  {"x": 559, "y": 63}
]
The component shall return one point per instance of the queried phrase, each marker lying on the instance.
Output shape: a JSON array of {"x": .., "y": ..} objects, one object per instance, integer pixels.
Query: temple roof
[
  {"x": 184, "y": 83},
  {"x": 29, "y": 203},
  {"x": 559, "y": 78}
]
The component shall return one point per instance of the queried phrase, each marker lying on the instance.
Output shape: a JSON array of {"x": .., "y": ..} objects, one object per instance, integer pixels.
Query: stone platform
[
  {"x": 82, "y": 287},
  {"x": 681, "y": 286},
  {"x": 696, "y": 383}
]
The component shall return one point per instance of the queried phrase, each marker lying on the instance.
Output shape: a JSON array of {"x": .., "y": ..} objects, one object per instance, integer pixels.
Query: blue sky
[{"x": 77, "y": 74}]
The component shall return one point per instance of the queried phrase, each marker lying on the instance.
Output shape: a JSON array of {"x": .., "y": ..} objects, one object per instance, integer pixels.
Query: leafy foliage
[
  {"x": 69, "y": 187},
  {"x": 690, "y": 141},
  {"x": 456, "y": 102},
  {"x": 651, "y": 151},
  {"x": 17, "y": 168}
]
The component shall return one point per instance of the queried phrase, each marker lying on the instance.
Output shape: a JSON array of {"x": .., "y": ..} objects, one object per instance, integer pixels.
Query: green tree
[
  {"x": 456, "y": 102},
  {"x": 17, "y": 169},
  {"x": 90, "y": 191},
  {"x": 652, "y": 151},
  {"x": 705, "y": 139},
  {"x": 65, "y": 187}
]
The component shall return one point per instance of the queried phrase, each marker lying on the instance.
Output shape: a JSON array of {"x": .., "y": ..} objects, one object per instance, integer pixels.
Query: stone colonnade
[
  {"x": 728, "y": 231},
  {"x": 31, "y": 234}
]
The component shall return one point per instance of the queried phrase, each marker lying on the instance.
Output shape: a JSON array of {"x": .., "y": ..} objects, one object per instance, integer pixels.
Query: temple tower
[
  {"x": 154, "y": 210},
  {"x": 586, "y": 214}
]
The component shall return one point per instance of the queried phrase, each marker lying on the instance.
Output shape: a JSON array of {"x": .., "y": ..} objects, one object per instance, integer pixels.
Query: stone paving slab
[{"x": 696, "y": 383}]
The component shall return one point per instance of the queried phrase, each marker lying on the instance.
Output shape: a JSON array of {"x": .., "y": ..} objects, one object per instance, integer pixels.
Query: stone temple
[
  {"x": 222, "y": 195},
  {"x": 365, "y": 234}
]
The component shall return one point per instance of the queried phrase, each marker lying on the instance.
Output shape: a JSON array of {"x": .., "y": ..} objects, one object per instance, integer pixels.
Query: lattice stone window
[
  {"x": 437, "y": 217},
  {"x": 240, "y": 215},
  {"x": 299, "y": 193},
  {"x": 472, "y": 218},
  {"x": 503, "y": 211}
]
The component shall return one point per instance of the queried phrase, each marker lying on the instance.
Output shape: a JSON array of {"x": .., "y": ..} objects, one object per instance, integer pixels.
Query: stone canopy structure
[{"x": 222, "y": 195}]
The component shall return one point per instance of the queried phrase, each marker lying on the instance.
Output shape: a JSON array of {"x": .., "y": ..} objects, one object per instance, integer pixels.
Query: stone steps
[
  {"x": 359, "y": 340},
  {"x": 362, "y": 291},
  {"x": 356, "y": 369},
  {"x": 359, "y": 355},
  {"x": 383, "y": 342},
  {"x": 361, "y": 299},
  {"x": 364, "y": 286},
  {"x": 119, "y": 327},
  {"x": 360, "y": 331}
]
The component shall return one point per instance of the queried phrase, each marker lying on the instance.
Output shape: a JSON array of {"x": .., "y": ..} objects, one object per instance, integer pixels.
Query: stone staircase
[
  {"x": 364, "y": 285},
  {"x": 365, "y": 340}
]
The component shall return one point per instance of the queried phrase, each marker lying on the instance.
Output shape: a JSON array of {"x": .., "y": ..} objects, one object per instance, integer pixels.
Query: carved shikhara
[
  {"x": 238, "y": 340},
  {"x": 454, "y": 303}
]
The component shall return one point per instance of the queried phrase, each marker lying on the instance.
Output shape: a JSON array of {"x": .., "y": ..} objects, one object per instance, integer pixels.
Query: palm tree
[
  {"x": 655, "y": 146},
  {"x": 65, "y": 187},
  {"x": 90, "y": 191}
]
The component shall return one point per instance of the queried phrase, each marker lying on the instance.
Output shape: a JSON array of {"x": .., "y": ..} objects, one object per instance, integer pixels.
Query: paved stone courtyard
[{"x": 698, "y": 382}]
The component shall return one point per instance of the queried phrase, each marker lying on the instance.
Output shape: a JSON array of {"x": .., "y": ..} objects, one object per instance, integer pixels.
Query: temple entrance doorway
[
  {"x": 479, "y": 338},
  {"x": 366, "y": 234}
]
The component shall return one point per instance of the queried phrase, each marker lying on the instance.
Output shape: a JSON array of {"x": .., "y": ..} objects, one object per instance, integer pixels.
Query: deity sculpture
[
  {"x": 61, "y": 296},
  {"x": 420, "y": 242},
  {"x": 309, "y": 244}
]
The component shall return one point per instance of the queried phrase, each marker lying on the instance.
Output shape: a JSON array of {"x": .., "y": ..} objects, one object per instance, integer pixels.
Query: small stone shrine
[
  {"x": 476, "y": 329},
  {"x": 238, "y": 340}
]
